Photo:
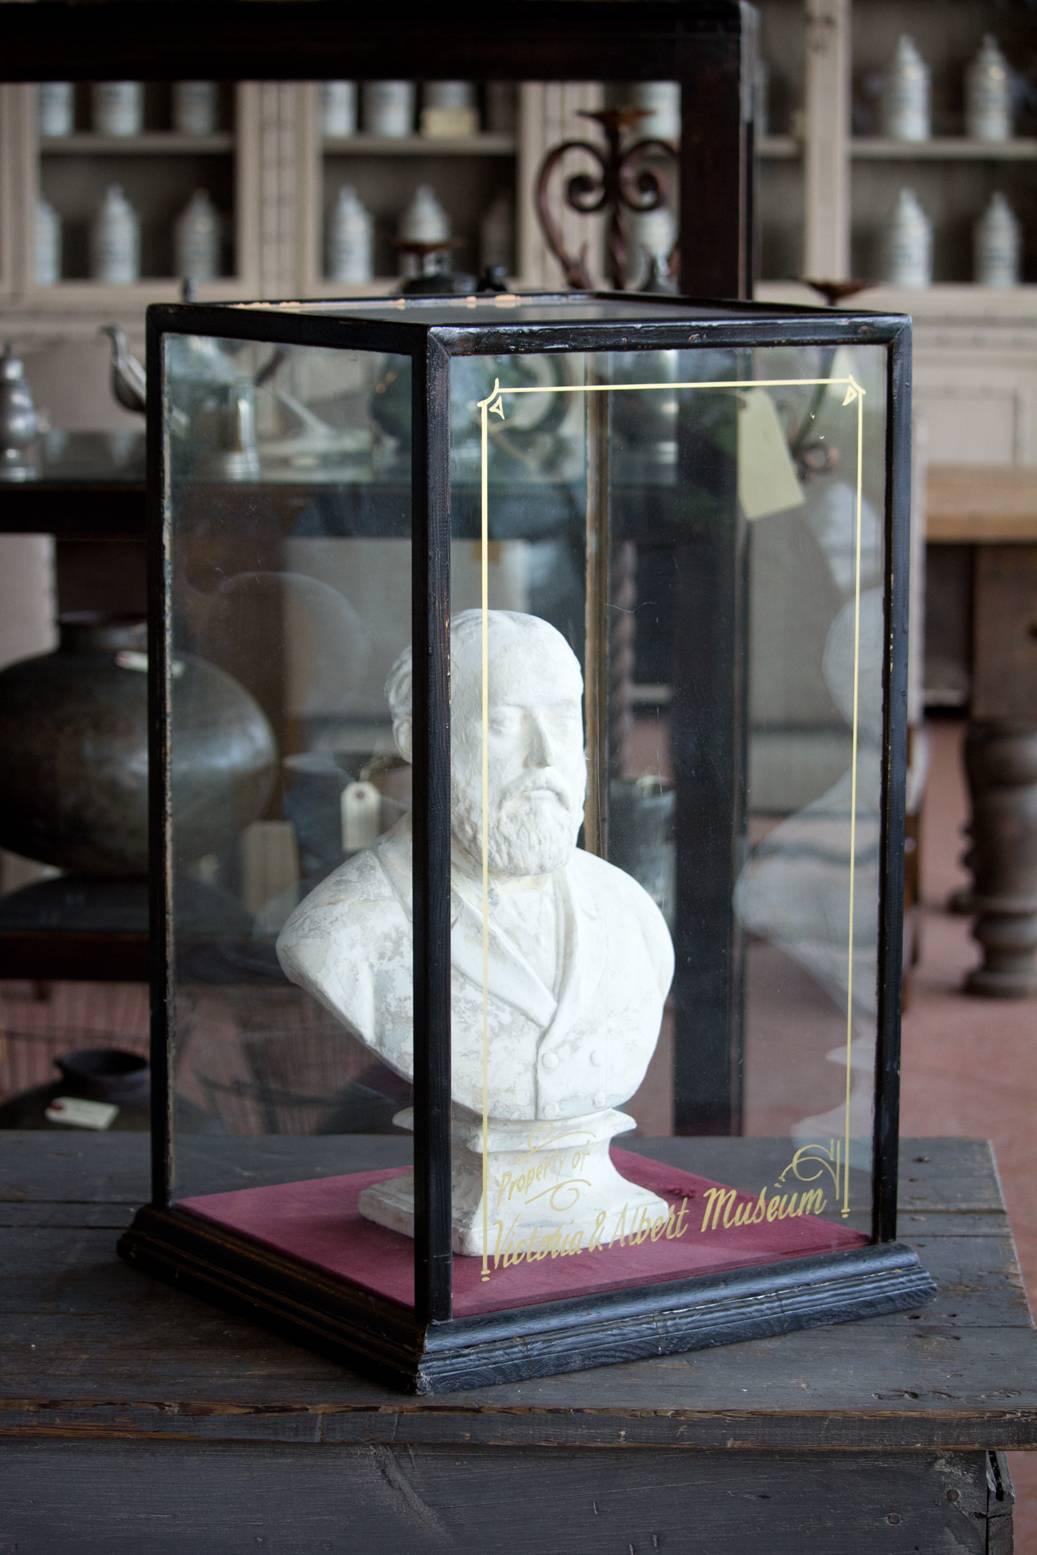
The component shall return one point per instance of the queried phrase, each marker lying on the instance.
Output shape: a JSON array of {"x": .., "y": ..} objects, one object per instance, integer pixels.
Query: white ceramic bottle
[
  {"x": 388, "y": 108},
  {"x": 57, "y": 108},
  {"x": 652, "y": 236},
  {"x": 117, "y": 107},
  {"x": 988, "y": 95},
  {"x": 195, "y": 107},
  {"x": 337, "y": 108},
  {"x": 907, "y": 244},
  {"x": 424, "y": 220},
  {"x": 662, "y": 99},
  {"x": 197, "y": 239},
  {"x": 350, "y": 238},
  {"x": 997, "y": 245},
  {"x": 115, "y": 239},
  {"x": 48, "y": 244},
  {"x": 905, "y": 94}
]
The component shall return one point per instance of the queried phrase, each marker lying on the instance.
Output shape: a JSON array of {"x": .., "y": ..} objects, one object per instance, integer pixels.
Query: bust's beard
[{"x": 528, "y": 836}]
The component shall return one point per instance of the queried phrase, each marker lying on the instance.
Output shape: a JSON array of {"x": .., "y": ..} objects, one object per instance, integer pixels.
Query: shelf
[
  {"x": 948, "y": 148},
  {"x": 161, "y": 142},
  {"x": 420, "y": 146}
]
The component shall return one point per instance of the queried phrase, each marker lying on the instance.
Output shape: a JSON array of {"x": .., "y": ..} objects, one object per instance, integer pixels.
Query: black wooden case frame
[{"x": 424, "y": 1348}]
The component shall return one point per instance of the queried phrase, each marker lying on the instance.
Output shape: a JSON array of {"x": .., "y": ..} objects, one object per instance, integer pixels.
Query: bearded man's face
[{"x": 537, "y": 767}]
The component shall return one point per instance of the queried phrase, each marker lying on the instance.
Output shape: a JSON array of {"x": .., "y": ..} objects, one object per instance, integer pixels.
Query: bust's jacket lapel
[{"x": 586, "y": 949}]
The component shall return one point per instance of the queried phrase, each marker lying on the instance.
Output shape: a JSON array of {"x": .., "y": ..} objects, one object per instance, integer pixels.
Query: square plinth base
[{"x": 302, "y": 1257}]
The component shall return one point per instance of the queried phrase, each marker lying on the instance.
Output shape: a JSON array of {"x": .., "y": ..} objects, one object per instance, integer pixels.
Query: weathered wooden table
[{"x": 136, "y": 1418}]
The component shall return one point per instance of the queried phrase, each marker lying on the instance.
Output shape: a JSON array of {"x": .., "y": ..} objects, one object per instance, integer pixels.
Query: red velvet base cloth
[{"x": 318, "y": 1222}]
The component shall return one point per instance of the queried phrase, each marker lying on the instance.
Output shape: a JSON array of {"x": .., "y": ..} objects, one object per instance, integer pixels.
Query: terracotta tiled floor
[{"x": 970, "y": 1065}]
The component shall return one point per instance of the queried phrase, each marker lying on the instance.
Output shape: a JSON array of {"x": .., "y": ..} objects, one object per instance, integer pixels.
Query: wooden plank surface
[
  {"x": 104, "y": 1498},
  {"x": 92, "y": 1349},
  {"x": 981, "y": 504}
]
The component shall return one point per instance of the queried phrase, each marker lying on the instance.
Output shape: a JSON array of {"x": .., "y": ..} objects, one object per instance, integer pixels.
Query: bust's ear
[{"x": 403, "y": 734}]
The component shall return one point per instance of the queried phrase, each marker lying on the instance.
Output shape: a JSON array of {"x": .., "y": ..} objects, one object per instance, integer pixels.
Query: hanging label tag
[
  {"x": 77, "y": 1112},
  {"x": 131, "y": 659},
  {"x": 767, "y": 481},
  {"x": 361, "y": 815}
]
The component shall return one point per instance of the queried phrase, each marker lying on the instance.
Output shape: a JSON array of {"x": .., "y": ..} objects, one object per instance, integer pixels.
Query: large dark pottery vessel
[{"x": 73, "y": 731}]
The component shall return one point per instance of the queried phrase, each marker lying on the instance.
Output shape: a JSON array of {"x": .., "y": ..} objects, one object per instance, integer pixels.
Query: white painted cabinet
[{"x": 827, "y": 181}]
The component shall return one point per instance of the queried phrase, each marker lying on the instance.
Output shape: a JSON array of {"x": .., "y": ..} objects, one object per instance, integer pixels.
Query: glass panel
[
  {"x": 673, "y": 563},
  {"x": 289, "y": 500}
]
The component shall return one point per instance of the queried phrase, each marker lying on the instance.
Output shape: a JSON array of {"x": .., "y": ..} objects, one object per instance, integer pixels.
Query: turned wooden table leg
[
  {"x": 961, "y": 900},
  {"x": 1003, "y": 763}
]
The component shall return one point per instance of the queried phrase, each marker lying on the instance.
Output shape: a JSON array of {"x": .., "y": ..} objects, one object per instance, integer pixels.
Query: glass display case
[{"x": 562, "y": 823}]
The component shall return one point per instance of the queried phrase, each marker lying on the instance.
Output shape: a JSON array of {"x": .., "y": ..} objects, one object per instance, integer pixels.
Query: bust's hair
[{"x": 465, "y": 630}]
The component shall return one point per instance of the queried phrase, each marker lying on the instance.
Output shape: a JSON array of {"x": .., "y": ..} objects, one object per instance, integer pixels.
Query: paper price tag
[
  {"x": 767, "y": 480},
  {"x": 76, "y": 1112},
  {"x": 361, "y": 805},
  {"x": 449, "y": 123}
]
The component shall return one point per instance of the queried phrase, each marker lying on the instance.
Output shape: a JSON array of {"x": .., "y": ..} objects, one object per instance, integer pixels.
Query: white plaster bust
[{"x": 580, "y": 957}]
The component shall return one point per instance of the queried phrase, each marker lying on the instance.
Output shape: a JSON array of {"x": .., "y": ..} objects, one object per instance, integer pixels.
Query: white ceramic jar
[
  {"x": 388, "y": 108},
  {"x": 117, "y": 107},
  {"x": 337, "y": 108},
  {"x": 988, "y": 95},
  {"x": 907, "y": 244},
  {"x": 350, "y": 238},
  {"x": 448, "y": 94},
  {"x": 47, "y": 244},
  {"x": 57, "y": 108},
  {"x": 663, "y": 101},
  {"x": 997, "y": 245},
  {"x": 115, "y": 240},
  {"x": 197, "y": 239},
  {"x": 196, "y": 107},
  {"x": 905, "y": 94}
]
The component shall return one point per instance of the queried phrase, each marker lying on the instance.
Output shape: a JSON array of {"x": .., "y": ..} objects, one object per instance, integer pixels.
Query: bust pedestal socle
[{"x": 580, "y": 960}]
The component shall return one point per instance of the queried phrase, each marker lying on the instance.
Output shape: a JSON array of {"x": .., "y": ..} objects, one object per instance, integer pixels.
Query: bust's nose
[{"x": 540, "y": 743}]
